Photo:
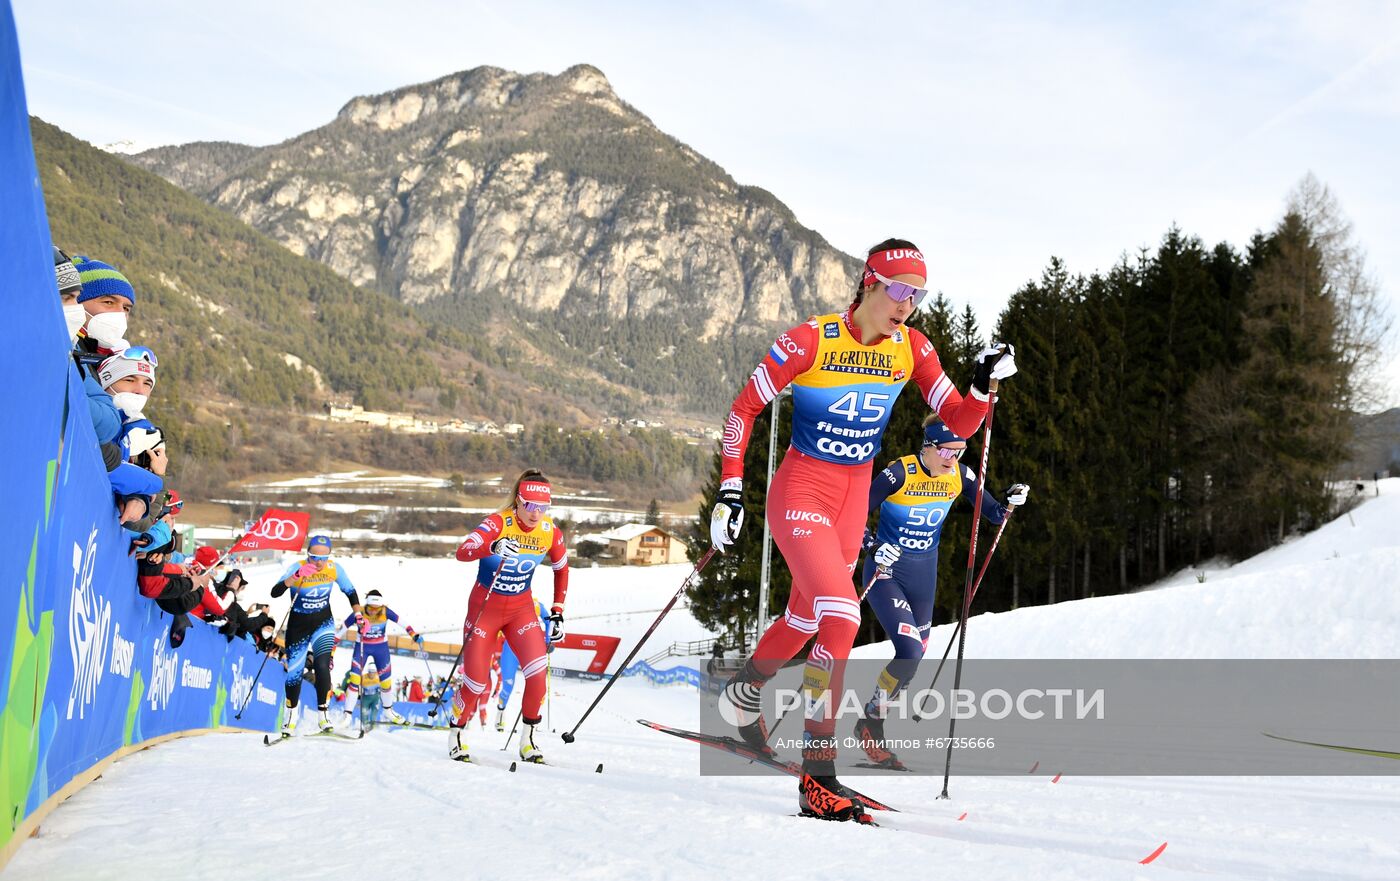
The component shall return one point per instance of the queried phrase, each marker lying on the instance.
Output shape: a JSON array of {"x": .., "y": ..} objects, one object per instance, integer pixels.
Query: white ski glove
[
  {"x": 728, "y": 514},
  {"x": 1016, "y": 495},
  {"x": 997, "y": 361},
  {"x": 505, "y": 547},
  {"x": 887, "y": 555}
]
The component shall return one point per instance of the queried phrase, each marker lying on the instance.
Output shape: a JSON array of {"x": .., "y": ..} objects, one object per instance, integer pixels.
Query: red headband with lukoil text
[{"x": 895, "y": 261}]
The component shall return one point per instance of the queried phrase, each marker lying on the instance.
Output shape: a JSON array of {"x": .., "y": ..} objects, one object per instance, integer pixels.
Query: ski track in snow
[{"x": 225, "y": 806}]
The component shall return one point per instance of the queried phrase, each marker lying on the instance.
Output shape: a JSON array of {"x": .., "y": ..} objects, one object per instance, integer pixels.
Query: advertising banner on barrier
[
  {"x": 602, "y": 647},
  {"x": 87, "y": 666}
]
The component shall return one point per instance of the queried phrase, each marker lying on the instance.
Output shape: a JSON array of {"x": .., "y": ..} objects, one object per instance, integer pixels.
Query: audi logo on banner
[
  {"x": 285, "y": 530},
  {"x": 276, "y": 529}
]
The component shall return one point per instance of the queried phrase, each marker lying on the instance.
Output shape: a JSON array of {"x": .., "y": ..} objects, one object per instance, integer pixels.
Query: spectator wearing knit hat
[
  {"x": 176, "y": 591},
  {"x": 129, "y": 376},
  {"x": 106, "y": 422},
  {"x": 144, "y": 443},
  {"x": 108, "y": 299},
  {"x": 70, "y": 285}
]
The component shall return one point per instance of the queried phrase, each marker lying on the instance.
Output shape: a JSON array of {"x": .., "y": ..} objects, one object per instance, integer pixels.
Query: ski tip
[
  {"x": 1152, "y": 856},
  {"x": 512, "y": 767},
  {"x": 599, "y": 769},
  {"x": 1055, "y": 779},
  {"x": 963, "y": 817}
]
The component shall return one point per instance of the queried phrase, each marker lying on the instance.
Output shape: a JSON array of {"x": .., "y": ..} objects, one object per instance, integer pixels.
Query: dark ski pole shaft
[
  {"x": 919, "y": 714},
  {"x": 568, "y": 736},
  {"x": 511, "y": 735},
  {"x": 971, "y": 562},
  {"x": 254, "y": 685},
  {"x": 461, "y": 652}
]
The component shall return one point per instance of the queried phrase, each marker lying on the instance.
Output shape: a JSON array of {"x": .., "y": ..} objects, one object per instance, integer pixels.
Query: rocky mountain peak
[
  {"x": 547, "y": 192},
  {"x": 479, "y": 89}
]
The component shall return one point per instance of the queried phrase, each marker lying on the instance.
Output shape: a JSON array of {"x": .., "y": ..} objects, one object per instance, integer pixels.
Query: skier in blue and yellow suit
[
  {"x": 373, "y": 648},
  {"x": 310, "y": 625},
  {"x": 914, "y": 495}
]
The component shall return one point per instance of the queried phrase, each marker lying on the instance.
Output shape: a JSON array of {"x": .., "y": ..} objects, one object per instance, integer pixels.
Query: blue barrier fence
[
  {"x": 668, "y": 676},
  {"x": 85, "y": 666}
]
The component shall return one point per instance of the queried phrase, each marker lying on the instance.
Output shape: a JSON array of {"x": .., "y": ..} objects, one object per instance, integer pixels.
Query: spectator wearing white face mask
[
  {"x": 128, "y": 377},
  {"x": 105, "y": 420},
  {"x": 108, "y": 299}
]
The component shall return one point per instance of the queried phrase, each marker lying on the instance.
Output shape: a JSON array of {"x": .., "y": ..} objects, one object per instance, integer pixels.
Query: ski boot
[
  {"x": 741, "y": 705},
  {"x": 323, "y": 721},
  {"x": 870, "y": 733},
  {"x": 528, "y": 751},
  {"x": 501, "y": 719},
  {"x": 347, "y": 720},
  {"x": 457, "y": 745},
  {"x": 394, "y": 717},
  {"x": 289, "y": 725},
  {"x": 819, "y": 793}
]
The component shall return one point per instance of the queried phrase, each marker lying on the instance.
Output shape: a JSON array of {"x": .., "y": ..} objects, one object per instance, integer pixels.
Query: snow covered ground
[{"x": 227, "y": 807}]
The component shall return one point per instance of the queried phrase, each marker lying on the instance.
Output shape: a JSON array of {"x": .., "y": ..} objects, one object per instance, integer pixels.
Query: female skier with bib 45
[{"x": 845, "y": 369}]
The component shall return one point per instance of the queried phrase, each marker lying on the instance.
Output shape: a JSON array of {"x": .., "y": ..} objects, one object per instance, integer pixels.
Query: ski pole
[
  {"x": 880, "y": 572},
  {"x": 971, "y": 562},
  {"x": 919, "y": 713},
  {"x": 513, "y": 727},
  {"x": 253, "y": 687},
  {"x": 461, "y": 652},
  {"x": 568, "y": 736},
  {"x": 429, "y": 667}
]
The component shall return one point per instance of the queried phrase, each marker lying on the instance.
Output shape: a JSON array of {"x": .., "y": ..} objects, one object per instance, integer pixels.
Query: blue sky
[{"x": 994, "y": 138}]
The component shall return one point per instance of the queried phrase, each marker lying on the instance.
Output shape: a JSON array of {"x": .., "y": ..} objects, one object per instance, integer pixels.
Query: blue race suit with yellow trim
[
  {"x": 373, "y": 647},
  {"x": 310, "y": 626},
  {"x": 913, "y": 506}
]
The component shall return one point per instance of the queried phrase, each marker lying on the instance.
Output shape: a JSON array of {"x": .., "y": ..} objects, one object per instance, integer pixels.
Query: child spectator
[{"x": 176, "y": 591}]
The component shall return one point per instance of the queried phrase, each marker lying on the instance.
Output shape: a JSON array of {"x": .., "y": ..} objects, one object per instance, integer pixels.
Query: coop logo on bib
[{"x": 845, "y": 450}]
